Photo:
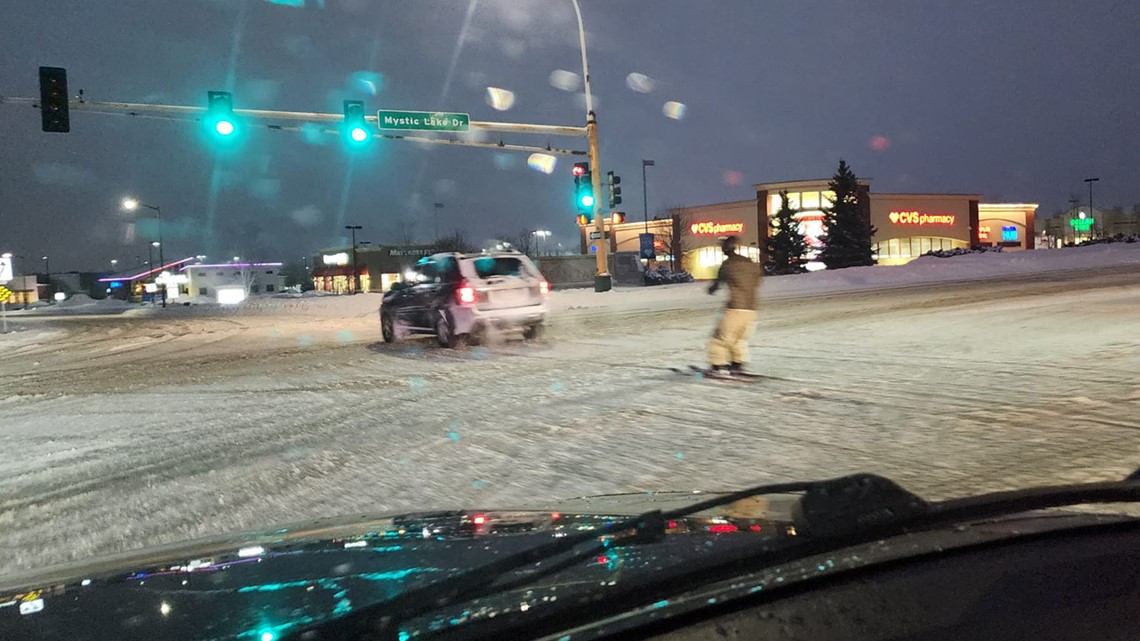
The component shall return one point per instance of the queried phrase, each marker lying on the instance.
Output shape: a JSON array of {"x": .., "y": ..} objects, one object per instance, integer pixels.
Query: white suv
[{"x": 458, "y": 297}]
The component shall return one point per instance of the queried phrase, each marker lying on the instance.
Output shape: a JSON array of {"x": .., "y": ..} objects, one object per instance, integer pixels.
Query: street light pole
[
  {"x": 438, "y": 206},
  {"x": 645, "y": 192},
  {"x": 131, "y": 204},
  {"x": 353, "y": 228},
  {"x": 1090, "y": 181},
  {"x": 1075, "y": 202},
  {"x": 603, "y": 282},
  {"x": 47, "y": 269}
]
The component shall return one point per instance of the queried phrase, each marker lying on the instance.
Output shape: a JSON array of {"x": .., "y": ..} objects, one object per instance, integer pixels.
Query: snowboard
[{"x": 707, "y": 373}]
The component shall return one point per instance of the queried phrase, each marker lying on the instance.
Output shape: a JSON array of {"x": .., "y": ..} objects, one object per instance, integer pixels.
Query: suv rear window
[{"x": 489, "y": 266}]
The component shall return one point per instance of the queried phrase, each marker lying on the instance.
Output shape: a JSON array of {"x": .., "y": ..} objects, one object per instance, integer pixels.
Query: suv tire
[
  {"x": 388, "y": 328},
  {"x": 445, "y": 331}
]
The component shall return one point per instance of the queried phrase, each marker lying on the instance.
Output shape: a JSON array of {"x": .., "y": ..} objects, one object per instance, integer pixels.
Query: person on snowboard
[{"x": 728, "y": 349}]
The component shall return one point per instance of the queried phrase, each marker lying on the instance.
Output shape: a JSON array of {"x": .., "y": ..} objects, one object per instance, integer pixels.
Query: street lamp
[
  {"x": 644, "y": 192},
  {"x": 47, "y": 272},
  {"x": 1090, "y": 181},
  {"x": 353, "y": 229},
  {"x": 543, "y": 234},
  {"x": 131, "y": 204}
]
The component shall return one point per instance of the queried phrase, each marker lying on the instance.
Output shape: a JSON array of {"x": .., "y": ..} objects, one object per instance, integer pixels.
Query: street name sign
[{"x": 422, "y": 121}]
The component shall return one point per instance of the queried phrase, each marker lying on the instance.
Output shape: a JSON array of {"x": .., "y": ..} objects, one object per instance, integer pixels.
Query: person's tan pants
[{"x": 729, "y": 342}]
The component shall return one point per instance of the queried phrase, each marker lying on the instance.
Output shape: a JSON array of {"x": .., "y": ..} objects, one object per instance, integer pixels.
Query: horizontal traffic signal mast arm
[
  {"x": 185, "y": 113},
  {"x": 189, "y": 112}
]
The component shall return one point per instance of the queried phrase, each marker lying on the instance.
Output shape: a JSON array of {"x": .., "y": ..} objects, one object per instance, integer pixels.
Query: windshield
[
  {"x": 277, "y": 262},
  {"x": 488, "y": 267}
]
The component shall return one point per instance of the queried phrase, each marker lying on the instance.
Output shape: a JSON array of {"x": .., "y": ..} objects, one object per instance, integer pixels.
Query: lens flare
[
  {"x": 675, "y": 110},
  {"x": 542, "y": 162},
  {"x": 565, "y": 80},
  {"x": 640, "y": 83},
  {"x": 500, "y": 99}
]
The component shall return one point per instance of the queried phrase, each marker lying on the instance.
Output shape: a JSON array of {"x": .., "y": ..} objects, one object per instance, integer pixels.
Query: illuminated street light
[{"x": 131, "y": 204}]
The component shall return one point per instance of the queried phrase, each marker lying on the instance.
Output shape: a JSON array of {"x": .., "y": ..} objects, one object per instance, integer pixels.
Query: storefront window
[{"x": 809, "y": 200}]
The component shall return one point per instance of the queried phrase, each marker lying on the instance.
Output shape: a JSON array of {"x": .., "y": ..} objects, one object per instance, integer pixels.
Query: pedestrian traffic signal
[
  {"x": 355, "y": 128},
  {"x": 617, "y": 217},
  {"x": 584, "y": 189},
  {"x": 615, "y": 191},
  {"x": 54, "y": 111},
  {"x": 220, "y": 113},
  {"x": 583, "y": 219}
]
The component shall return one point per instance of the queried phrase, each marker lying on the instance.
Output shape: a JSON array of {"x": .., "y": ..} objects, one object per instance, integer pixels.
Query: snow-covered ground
[{"x": 123, "y": 431}]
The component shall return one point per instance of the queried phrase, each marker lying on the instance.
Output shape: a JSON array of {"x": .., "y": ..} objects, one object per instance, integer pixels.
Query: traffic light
[
  {"x": 617, "y": 217},
  {"x": 355, "y": 128},
  {"x": 583, "y": 219},
  {"x": 54, "y": 112},
  {"x": 220, "y": 113},
  {"x": 615, "y": 191},
  {"x": 584, "y": 190}
]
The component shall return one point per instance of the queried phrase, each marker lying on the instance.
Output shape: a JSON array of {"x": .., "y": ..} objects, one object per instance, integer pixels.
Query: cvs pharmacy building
[{"x": 906, "y": 225}]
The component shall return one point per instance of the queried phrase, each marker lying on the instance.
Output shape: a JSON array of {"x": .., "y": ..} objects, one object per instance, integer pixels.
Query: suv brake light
[
  {"x": 544, "y": 288},
  {"x": 466, "y": 294}
]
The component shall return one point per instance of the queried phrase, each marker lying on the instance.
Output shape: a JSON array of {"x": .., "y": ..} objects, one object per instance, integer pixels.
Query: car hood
[{"x": 262, "y": 585}]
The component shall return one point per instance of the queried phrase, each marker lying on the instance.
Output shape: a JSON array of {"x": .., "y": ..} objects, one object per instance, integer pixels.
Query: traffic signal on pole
[
  {"x": 584, "y": 190},
  {"x": 54, "y": 110},
  {"x": 615, "y": 191},
  {"x": 617, "y": 217},
  {"x": 220, "y": 113},
  {"x": 355, "y": 128}
]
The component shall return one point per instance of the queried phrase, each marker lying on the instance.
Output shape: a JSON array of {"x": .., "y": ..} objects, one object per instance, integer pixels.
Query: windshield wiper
[
  {"x": 831, "y": 514},
  {"x": 381, "y": 620}
]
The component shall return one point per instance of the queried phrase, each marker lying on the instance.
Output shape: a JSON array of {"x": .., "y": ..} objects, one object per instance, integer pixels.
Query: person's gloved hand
[{"x": 715, "y": 286}]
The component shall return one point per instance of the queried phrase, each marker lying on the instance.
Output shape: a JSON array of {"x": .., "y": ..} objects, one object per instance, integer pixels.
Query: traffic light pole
[{"x": 603, "y": 282}]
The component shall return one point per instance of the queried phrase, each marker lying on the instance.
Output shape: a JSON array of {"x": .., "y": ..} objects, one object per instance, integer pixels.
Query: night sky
[{"x": 1014, "y": 99}]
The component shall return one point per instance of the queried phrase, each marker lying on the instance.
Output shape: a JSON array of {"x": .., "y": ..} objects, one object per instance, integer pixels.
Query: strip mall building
[{"x": 907, "y": 225}]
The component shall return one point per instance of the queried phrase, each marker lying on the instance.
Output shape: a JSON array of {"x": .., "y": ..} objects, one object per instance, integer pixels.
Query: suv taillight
[
  {"x": 466, "y": 294},
  {"x": 544, "y": 288}
]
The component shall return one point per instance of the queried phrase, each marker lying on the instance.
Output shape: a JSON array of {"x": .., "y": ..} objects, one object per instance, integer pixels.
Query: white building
[{"x": 232, "y": 282}]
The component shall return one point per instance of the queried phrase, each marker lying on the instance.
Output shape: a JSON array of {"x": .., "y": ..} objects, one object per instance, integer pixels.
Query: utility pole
[
  {"x": 355, "y": 282},
  {"x": 438, "y": 206},
  {"x": 1090, "y": 181}
]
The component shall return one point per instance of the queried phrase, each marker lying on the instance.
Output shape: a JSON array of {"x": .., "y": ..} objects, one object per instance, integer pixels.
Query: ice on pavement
[{"x": 124, "y": 431}]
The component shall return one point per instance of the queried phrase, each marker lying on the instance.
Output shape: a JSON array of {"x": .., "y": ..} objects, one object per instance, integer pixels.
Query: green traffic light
[
  {"x": 587, "y": 200},
  {"x": 358, "y": 134},
  {"x": 224, "y": 127}
]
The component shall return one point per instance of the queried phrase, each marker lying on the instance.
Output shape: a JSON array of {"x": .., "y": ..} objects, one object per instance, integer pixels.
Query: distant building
[
  {"x": 907, "y": 225},
  {"x": 224, "y": 282},
  {"x": 189, "y": 278},
  {"x": 376, "y": 268}
]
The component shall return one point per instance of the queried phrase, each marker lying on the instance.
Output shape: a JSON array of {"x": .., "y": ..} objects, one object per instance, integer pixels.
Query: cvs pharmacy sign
[
  {"x": 920, "y": 219},
  {"x": 716, "y": 229}
]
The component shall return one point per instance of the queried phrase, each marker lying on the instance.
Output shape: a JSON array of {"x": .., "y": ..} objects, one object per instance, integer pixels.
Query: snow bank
[
  {"x": 77, "y": 304},
  {"x": 927, "y": 270}
]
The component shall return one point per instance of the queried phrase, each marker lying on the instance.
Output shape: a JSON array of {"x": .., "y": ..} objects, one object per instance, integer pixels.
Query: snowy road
[{"x": 122, "y": 432}]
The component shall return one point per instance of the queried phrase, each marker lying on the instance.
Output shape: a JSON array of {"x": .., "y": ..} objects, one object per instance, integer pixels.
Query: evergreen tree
[
  {"x": 847, "y": 240},
  {"x": 786, "y": 248}
]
